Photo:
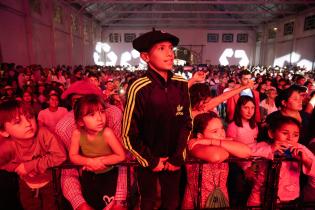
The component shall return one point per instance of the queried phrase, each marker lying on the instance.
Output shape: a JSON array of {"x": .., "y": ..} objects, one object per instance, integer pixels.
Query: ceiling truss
[{"x": 207, "y": 14}]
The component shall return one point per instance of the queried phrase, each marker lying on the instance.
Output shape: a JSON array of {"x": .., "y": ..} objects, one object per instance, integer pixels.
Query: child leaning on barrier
[
  {"x": 210, "y": 144},
  {"x": 93, "y": 145},
  {"x": 30, "y": 151},
  {"x": 284, "y": 132}
]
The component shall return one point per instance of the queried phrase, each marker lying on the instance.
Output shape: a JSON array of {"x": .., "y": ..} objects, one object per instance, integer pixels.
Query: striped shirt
[{"x": 70, "y": 183}]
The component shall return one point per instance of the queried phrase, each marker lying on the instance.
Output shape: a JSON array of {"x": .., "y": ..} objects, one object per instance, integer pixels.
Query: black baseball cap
[{"x": 146, "y": 41}]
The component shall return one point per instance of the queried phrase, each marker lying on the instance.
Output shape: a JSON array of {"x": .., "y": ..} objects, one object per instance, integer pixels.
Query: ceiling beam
[
  {"x": 178, "y": 19},
  {"x": 204, "y": 2},
  {"x": 172, "y": 24},
  {"x": 196, "y": 12}
]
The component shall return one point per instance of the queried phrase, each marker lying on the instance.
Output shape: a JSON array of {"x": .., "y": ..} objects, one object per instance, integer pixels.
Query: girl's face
[
  {"x": 288, "y": 132},
  {"x": 294, "y": 102},
  {"x": 95, "y": 121},
  {"x": 247, "y": 110},
  {"x": 214, "y": 129}
]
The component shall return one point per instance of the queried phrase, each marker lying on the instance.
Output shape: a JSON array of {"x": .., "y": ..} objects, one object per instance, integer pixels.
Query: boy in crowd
[
  {"x": 157, "y": 121},
  {"x": 29, "y": 151},
  {"x": 49, "y": 117}
]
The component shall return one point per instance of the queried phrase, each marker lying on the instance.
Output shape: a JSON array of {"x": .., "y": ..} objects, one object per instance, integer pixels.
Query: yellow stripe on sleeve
[{"x": 128, "y": 114}]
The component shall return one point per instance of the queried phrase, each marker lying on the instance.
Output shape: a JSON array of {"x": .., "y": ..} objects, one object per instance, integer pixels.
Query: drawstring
[{"x": 36, "y": 193}]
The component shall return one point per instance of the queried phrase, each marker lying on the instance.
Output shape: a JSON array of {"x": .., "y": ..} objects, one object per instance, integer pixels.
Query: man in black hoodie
[{"x": 157, "y": 121}]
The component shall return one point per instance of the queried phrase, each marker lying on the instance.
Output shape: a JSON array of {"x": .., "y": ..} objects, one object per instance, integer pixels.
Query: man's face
[
  {"x": 53, "y": 101},
  {"x": 245, "y": 79},
  {"x": 160, "y": 57},
  {"x": 94, "y": 81},
  {"x": 78, "y": 74},
  {"x": 301, "y": 81},
  {"x": 110, "y": 86}
]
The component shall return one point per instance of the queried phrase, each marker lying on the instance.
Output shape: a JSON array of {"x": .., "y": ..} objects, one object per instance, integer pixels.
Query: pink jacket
[{"x": 289, "y": 185}]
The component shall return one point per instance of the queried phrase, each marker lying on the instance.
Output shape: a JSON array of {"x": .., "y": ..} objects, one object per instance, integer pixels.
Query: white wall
[
  {"x": 298, "y": 48},
  {"x": 194, "y": 39},
  {"x": 27, "y": 37}
]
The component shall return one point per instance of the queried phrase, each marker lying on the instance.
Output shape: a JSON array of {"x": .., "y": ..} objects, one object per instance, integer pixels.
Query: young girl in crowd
[
  {"x": 244, "y": 129},
  {"x": 93, "y": 145},
  {"x": 210, "y": 144},
  {"x": 284, "y": 132},
  {"x": 289, "y": 102},
  {"x": 30, "y": 151}
]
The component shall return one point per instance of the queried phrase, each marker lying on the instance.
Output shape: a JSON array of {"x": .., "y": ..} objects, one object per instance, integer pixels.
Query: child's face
[
  {"x": 21, "y": 127},
  {"x": 160, "y": 57},
  {"x": 95, "y": 121},
  {"x": 288, "y": 132},
  {"x": 247, "y": 110},
  {"x": 214, "y": 129}
]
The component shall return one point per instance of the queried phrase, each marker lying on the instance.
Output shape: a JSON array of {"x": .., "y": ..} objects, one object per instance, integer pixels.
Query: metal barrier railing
[{"x": 272, "y": 181}]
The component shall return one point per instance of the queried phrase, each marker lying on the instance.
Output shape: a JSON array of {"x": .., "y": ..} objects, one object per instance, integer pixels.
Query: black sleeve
[{"x": 133, "y": 117}]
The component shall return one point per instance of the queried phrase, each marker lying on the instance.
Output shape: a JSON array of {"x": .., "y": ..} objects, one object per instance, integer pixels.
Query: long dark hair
[
  {"x": 199, "y": 92},
  {"x": 237, "y": 113}
]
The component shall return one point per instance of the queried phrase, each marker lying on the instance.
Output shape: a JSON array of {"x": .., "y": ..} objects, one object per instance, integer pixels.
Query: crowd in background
[{"x": 247, "y": 103}]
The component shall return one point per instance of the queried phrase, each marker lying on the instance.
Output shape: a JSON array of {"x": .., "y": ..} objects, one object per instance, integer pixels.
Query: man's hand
[
  {"x": 251, "y": 84},
  {"x": 170, "y": 167},
  {"x": 20, "y": 170},
  {"x": 84, "y": 206},
  {"x": 160, "y": 165},
  {"x": 200, "y": 76}
]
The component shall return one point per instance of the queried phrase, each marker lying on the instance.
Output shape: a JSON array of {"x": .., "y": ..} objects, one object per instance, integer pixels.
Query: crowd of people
[{"x": 87, "y": 115}]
